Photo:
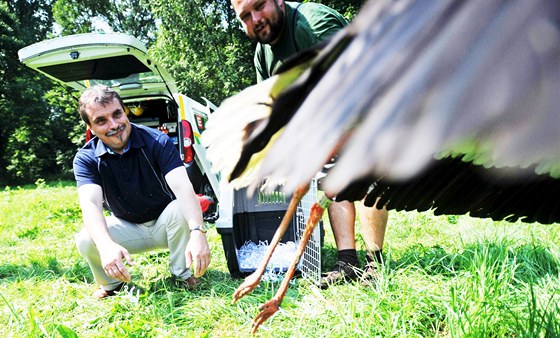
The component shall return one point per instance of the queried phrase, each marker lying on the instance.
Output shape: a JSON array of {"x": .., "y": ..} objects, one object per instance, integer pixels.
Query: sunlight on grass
[{"x": 445, "y": 276}]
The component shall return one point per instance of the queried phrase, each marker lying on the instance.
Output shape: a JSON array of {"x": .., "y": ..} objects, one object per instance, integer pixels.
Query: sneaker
[
  {"x": 370, "y": 275},
  {"x": 341, "y": 273},
  {"x": 102, "y": 293},
  {"x": 122, "y": 288},
  {"x": 190, "y": 283}
]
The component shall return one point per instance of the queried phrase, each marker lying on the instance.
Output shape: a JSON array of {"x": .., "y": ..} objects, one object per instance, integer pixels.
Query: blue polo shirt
[{"x": 133, "y": 183}]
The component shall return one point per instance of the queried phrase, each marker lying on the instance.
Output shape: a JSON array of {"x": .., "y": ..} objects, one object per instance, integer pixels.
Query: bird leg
[
  {"x": 270, "y": 307},
  {"x": 251, "y": 281}
]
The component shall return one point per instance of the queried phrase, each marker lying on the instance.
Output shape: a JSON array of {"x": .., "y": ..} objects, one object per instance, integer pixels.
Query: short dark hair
[{"x": 98, "y": 94}]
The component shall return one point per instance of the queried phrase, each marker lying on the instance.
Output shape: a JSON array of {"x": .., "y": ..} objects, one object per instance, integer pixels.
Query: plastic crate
[
  {"x": 310, "y": 265},
  {"x": 257, "y": 218}
]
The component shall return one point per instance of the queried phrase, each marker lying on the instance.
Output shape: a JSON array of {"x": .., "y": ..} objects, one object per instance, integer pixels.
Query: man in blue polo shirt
[{"x": 137, "y": 173}]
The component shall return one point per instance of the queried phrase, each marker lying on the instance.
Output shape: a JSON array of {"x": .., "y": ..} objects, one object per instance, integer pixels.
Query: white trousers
[{"x": 169, "y": 231}]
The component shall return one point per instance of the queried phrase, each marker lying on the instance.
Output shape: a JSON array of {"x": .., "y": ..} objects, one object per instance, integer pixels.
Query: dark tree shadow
[{"x": 49, "y": 269}]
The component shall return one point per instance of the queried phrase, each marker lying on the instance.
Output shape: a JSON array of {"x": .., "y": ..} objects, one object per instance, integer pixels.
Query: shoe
[
  {"x": 370, "y": 276},
  {"x": 122, "y": 287},
  {"x": 342, "y": 272},
  {"x": 191, "y": 283},
  {"x": 102, "y": 293}
]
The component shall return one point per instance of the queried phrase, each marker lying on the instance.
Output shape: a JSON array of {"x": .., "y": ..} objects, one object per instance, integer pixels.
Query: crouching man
[{"x": 138, "y": 173}]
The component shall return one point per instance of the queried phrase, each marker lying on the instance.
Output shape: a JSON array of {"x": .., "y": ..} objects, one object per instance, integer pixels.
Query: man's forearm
[
  {"x": 94, "y": 222},
  {"x": 188, "y": 203}
]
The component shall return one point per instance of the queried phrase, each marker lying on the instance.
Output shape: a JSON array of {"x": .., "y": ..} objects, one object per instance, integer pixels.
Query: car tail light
[
  {"x": 89, "y": 135},
  {"x": 188, "y": 141}
]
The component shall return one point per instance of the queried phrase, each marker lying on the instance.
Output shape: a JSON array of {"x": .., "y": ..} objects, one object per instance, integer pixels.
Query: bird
[{"x": 442, "y": 105}]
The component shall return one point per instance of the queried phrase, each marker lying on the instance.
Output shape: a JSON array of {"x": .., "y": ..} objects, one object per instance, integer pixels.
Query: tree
[
  {"x": 203, "y": 47},
  {"x": 348, "y": 8},
  {"x": 30, "y": 129},
  {"x": 124, "y": 16}
]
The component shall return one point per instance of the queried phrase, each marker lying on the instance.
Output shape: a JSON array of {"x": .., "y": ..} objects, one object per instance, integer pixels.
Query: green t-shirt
[{"x": 313, "y": 24}]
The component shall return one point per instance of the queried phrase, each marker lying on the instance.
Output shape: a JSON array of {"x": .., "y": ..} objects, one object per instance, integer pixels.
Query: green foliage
[
  {"x": 28, "y": 130},
  {"x": 348, "y": 8},
  {"x": 39, "y": 144},
  {"x": 201, "y": 44},
  {"x": 124, "y": 16}
]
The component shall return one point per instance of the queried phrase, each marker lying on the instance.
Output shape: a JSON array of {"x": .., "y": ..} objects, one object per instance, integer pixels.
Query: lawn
[{"x": 445, "y": 276}]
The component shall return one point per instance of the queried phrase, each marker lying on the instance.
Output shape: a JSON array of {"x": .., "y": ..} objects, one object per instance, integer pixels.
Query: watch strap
[{"x": 200, "y": 228}]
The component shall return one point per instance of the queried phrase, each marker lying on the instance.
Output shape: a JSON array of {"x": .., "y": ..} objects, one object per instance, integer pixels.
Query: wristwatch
[{"x": 201, "y": 228}]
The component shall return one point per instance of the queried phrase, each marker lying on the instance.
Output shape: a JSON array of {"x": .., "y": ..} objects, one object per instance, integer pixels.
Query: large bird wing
[
  {"x": 421, "y": 78},
  {"x": 241, "y": 120}
]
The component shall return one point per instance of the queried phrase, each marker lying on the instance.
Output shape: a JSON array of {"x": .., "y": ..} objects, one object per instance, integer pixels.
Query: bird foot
[
  {"x": 248, "y": 285},
  {"x": 267, "y": 310}
]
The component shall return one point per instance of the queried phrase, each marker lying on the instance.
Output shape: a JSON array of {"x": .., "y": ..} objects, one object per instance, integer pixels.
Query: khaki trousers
[{"x": 169, "y": 231}]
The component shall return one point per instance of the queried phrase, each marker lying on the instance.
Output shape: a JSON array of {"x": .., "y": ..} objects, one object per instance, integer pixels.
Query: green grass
[{"x": 445, "y": 276}]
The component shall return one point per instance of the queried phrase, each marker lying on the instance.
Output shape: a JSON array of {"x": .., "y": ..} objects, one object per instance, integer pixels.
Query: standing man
[
  {"x": 138, "y": 174},
  {"x": 281, "y": 30}
]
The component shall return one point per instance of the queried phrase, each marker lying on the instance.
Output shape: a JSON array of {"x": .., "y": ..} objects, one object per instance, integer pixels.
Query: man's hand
[
  {"x": 198, "y": 253},
  {"x": 112, "y": 256}
]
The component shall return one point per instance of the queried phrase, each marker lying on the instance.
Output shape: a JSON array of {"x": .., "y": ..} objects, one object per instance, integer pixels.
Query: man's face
[
  {"x": 261, "y": 19},
  {"x": 110, "y": 124}
]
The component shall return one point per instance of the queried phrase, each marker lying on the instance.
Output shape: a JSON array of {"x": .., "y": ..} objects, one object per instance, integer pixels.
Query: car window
[{"x": 134, "y": 79}]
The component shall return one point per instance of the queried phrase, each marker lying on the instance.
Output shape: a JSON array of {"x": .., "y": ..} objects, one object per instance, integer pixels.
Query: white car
[{"x": 121, "y": 62}]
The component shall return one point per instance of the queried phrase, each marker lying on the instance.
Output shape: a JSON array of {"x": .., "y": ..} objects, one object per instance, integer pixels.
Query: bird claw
[
  {"x": 248, "y": 285},
  {"x": 267, "y": 310}
]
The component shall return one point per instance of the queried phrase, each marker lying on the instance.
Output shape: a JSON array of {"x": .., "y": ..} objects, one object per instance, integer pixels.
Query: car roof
[{"x": 117, "y": 60}]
